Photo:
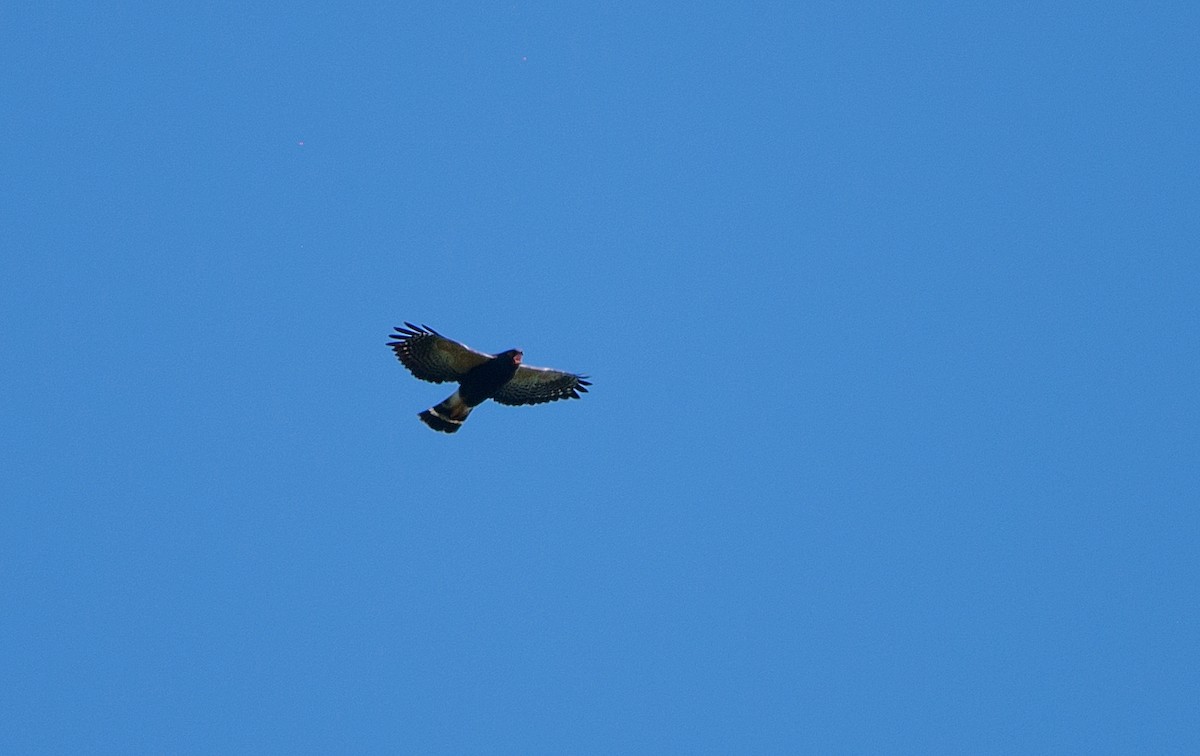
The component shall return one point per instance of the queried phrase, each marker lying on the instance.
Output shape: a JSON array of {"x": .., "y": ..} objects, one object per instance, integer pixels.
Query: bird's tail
[{"x": 448, "y": 416}]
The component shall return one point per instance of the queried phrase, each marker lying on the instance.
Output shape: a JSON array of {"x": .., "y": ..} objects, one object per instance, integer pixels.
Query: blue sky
[{"x": 890, "y": 309}]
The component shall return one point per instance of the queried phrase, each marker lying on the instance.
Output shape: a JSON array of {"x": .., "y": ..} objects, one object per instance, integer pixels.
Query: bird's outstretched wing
[
  {"x": 431, "y": 356},
  {"x": 534, "y": 385}
]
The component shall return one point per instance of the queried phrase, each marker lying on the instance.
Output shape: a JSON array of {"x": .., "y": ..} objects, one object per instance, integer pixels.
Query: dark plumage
[{"x": 432, "y": 357}]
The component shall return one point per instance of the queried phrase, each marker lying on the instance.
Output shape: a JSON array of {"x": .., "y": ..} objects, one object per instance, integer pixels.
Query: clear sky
[{"x": 891, "y": 311}]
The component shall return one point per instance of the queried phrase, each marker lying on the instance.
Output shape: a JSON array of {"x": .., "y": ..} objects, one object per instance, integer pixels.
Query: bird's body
[
  {"x": 478, "y": 385},
  {"x": 432, "y": 357}
]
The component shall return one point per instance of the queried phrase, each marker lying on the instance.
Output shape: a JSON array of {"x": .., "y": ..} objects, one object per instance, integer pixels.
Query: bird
[{"x": 432, "y": 357}]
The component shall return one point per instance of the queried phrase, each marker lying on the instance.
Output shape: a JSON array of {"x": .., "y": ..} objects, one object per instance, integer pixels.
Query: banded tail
[{"x": 448, "y": 416}]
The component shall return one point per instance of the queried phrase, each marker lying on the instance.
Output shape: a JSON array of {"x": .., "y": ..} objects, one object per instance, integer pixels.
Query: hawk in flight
[{"x": 432, "y": 357}]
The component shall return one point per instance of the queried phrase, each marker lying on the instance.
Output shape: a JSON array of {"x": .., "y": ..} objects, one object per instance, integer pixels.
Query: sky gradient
[{"x": 891, "y": 312}]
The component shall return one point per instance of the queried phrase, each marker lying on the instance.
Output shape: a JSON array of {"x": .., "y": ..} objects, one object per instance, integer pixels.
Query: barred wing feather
[
  {"x": 431, "y": 356},
  {"x": 534, "y": 385}
]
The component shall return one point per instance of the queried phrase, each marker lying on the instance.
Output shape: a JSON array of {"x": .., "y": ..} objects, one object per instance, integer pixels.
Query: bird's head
[{"x": 517, "y": 354}]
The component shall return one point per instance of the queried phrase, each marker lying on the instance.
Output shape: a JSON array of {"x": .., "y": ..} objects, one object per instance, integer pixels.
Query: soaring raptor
[{"x": 432, "y": 357}]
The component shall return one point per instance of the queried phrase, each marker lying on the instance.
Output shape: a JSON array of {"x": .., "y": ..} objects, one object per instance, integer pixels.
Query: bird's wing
[
  {"x": 534, "y": 385},
  {"x": 431, "y": 356}
]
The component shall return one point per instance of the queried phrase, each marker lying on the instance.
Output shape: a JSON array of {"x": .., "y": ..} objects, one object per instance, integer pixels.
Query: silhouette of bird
[{"x": 432, "y": 357}]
